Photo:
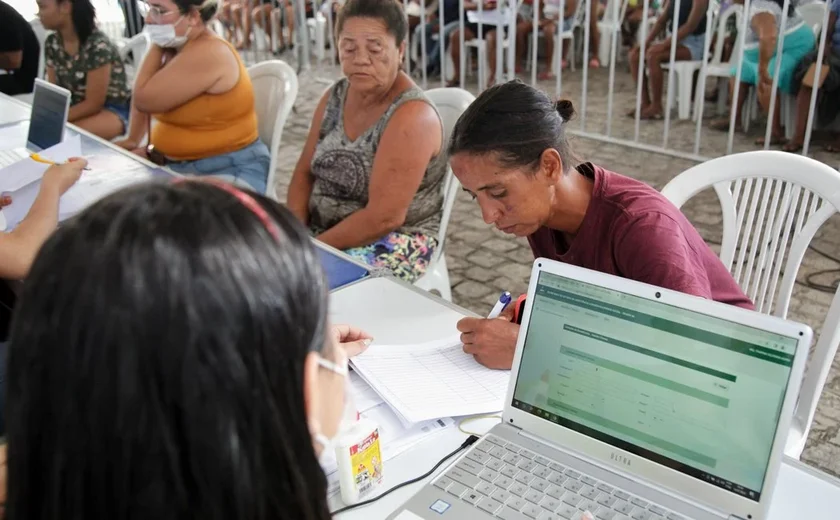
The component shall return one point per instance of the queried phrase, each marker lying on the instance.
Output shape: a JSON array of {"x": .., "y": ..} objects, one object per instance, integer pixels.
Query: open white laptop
[
  {"x": 631, "y": 402},
  {"x": 50, "y": 107}
]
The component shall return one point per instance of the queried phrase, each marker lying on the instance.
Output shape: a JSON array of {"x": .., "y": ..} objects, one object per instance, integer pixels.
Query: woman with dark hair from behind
[
  {"x": 187, "y": 372},
  {"x": 510, "y": 151},
  {"x": 81, "y": 58}
]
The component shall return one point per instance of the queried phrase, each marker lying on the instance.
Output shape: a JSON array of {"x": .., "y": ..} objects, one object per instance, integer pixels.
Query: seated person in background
[
  {"x": 548, "y": 24},
  {"x": 451, "y": 22},
  {"x": 195, "y": 85},
  {"x": 181, "y": 398},
  {"x": 80, "y": 58},
  {"x": 370, "y": 177},
  {"x": 19, "y": 52},
  {"x": 262, "y": 17},
  {"x": 758, "y": 67},
  {"x": 828, "y": 95},
  {"x": 691, "y": 40},
  {"x": 291, "y": 18},
  {"x": 488, "y": 32},
  {"x": 229, "y": 23},
  {"x": 509, "y": 150}
]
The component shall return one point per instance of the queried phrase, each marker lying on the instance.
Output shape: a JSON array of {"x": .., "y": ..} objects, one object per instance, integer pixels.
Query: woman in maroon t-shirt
[{"x": 509, "y": 150}]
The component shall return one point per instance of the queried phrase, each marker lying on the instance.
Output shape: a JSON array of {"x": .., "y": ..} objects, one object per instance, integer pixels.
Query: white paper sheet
[
  {"x": 25, "y": 172},
  {"x": 431, "y": 380},
  {"x": 490, "y": 17},
  {"x": 107, "y": 173},
  {"x": 12, "y": 112}
]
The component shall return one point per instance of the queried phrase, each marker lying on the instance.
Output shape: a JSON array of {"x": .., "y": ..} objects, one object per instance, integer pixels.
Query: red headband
[{"x": 245, "y": 199}]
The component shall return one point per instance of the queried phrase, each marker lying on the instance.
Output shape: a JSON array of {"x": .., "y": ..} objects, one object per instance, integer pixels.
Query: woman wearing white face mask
[
  {"x": 194, "y": 375},
  {"x": 197, "y": 89}
]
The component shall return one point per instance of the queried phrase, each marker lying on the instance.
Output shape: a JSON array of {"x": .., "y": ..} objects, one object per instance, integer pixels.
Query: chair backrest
[
  {"x": 813, "y": 14},
  {"x": 138, "y": 46},
  {"x": 722, "y": 21},
  {"x": 773, "y": 203},
  {"x": 450, "y": 103},
  {"x": 41, "y": 34},
  {"x": 275, "y": 89}
]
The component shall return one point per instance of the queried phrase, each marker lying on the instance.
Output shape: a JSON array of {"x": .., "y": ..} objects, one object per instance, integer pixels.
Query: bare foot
[
  {"x": 632, "y": 112},
  {"x": 652, "y": 113},
  {"x": 722, "y": 125}
]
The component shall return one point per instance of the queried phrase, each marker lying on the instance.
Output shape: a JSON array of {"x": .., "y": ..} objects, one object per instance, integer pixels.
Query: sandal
[
  {"x": 594, "y": 63},
  {"x": 722, "y": 125},
  {"x": 775, "y": 140},
  {"x": 631, "y": 114},
  {"x": 652, "y": 117},
  {"x": 792, "y": 147},
  {"x": 545, "y": 76}
]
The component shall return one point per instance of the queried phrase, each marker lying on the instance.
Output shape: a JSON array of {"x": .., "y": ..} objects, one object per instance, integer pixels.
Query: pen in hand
[
  {"x": 37, "y": 158},
  {"x": 501, "y": 305}
]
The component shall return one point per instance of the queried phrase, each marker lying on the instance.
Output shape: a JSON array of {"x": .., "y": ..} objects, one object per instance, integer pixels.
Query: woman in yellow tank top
[{"x": 197, "y": 89}]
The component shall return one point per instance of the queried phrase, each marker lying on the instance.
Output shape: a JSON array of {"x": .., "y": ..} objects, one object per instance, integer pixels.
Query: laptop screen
[
  {"x": 46, "y": 125},
  {"x": 695, "y": 393}
]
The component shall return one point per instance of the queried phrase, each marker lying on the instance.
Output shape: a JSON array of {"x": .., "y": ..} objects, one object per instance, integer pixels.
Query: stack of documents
[
  {"x": 395, "y": 437},
  {"x": 431, "y": 380}
]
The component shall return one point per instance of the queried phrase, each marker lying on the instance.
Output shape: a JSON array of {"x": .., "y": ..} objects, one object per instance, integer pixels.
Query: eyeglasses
[{"x": 154, "y": 13}]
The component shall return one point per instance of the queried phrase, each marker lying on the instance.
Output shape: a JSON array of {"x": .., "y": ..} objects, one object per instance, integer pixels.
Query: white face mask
[
  {"x": 164, "y": 35},
  {"x": 349, "y": 414}
]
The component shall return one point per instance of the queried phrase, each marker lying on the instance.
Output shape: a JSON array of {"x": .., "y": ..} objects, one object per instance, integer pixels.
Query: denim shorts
[
  {"x": 249, "y": 164},
  {"x": 122, "y": 111},
  {"x": 696, "y": 44}
]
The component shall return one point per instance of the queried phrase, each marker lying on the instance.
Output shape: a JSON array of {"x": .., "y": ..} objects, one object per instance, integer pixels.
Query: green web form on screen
[{"x": 696, "y": 390}]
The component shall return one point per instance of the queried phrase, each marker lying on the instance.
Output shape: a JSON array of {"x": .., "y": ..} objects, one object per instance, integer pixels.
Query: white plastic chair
[
  {"x": 450, "y": 103},
  {"x": 608, "y": 28},
  {"x": 275, "y": 89},
  {"x": 685, "y": 70},
  {"x": 137, "y": 46},
  {"x": 569, "y": 35},
  {"x": 716, "y": 68},
  {"x": 480, "y": 44},
  {"x": 318, "y": 34},
  {"x": 773, "y": 203},
  {"x": 41, "y": 34},
  {"x": 813, "y": 14}
]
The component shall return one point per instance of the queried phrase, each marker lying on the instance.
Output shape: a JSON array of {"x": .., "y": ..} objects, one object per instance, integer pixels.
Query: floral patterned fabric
[
  {"x": 405, "y": 255},
  {"x": 71, "y": 71}
]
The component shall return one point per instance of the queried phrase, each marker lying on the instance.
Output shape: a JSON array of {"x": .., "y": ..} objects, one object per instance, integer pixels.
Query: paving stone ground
[{"x": 482, "y": 261}]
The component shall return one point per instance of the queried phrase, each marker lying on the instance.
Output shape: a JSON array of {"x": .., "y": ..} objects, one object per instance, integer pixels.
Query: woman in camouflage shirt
[{"x": 80, "y": 58}]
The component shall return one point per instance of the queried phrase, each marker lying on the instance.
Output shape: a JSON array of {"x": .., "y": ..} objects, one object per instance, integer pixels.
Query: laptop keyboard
[
  {"x": 12, "y": 156},
  {"x": 514, "y": 483}
]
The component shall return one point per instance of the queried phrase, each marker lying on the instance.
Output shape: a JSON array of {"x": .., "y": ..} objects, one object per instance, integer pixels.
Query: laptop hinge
[{"x": 736, "y": 517}]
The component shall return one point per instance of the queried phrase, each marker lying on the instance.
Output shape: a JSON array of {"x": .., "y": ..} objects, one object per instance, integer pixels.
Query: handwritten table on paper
[{"x": 431, "y": 380}]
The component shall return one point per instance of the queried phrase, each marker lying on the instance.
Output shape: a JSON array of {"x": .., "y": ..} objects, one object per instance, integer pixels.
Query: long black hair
[
  {"x": 156, "y": 363},
  {"x": 83, "y": 14},
  {"x": 517, "y": 123}
]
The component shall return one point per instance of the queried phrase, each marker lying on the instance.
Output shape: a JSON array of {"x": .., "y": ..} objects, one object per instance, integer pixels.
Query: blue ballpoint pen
[{"x": 501, "y": 305}]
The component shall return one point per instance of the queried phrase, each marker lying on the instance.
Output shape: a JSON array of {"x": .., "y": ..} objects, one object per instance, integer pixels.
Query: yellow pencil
[{"x": 37, "y": 158}]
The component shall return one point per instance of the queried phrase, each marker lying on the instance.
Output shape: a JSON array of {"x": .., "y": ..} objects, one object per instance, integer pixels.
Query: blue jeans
[
  {"x": 433, "y": 46},
  {"x": 250, "y": 164}
]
